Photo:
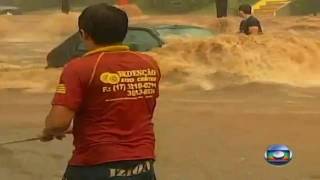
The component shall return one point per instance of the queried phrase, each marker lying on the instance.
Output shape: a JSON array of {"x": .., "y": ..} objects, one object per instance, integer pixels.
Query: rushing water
[{"x": 288, "y": 53}]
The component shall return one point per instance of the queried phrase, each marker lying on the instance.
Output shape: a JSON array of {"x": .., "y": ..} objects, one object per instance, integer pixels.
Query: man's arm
[
  {"x": 67, "y": 99},
  {"x": 58, "y": 120},
  {"x": 242, "y": 26},
  {"x": 57, "y": 124}
]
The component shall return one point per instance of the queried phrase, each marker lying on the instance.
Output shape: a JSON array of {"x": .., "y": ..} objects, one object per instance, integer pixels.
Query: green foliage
[
  {"x": 164, "y": 6},
  {"x": 182, "y": 6},
  {"x": 36, "y": 4},
  {"x": 171, "y": 5},
  {"x": 300, "y": 7},
  {"x": 89, "y": 2},
  {"x": 43, "y": 4}
]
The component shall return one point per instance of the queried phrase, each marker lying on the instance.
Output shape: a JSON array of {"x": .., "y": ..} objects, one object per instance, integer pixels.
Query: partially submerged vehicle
[{"x": 139, "y": 38}]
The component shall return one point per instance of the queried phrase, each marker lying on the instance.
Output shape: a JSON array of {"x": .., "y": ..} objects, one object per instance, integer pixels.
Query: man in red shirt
[{"x": 110, "y": 94}]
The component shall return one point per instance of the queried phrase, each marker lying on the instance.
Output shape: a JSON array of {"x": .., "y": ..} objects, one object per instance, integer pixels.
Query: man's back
[
  {"x": 114, "y": 120},
  {"x": 249, "y": 22},
  {"x": 110, "y": 94}
]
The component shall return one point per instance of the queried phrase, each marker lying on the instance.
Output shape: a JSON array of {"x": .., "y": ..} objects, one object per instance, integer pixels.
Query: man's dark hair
[
  {"x": 246, "y": 8},
  {"x": 104, "y": 23}
]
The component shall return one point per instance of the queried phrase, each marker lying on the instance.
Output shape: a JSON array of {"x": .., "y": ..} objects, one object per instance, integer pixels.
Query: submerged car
[
  {"x": 139, "y": 38},
  {"x": 10, "y": 10}
]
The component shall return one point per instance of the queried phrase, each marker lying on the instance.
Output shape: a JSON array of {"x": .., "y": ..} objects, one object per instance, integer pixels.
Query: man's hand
[
  {"x": 58, "y": 123},
  {"x": 46, "y": 137}
]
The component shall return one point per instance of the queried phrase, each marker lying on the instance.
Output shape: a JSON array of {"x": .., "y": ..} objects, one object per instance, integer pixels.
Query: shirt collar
[
  {"x": 249, "y": 16},
  {"x": 115, "y": 48}
]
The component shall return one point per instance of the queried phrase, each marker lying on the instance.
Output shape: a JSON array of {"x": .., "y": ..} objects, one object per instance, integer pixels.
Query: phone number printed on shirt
[{"x": 135, "y": 83}]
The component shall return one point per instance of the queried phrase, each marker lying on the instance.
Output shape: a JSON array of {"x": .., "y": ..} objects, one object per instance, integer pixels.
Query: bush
[
  {"x": 43, "y": 4},
  {"x": 171, "y": 5},
  {"x": 302, "y": 7}
]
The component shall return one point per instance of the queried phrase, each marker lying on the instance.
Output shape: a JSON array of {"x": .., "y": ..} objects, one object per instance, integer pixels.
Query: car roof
[
  {"x": 152, "y": 31},
  {"x": 140, "y": 27},
  {"x": 179, "y": 26},
  {"x": 164, "y": 25}
]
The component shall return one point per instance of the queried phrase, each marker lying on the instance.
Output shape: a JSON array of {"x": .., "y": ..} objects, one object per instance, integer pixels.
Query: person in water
[{"x": 250, "y": 25}]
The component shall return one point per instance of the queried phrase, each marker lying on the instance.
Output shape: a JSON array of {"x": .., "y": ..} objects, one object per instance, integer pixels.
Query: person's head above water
[
  {"x": 102, "y": 25},
  {"x": 245, "y": 10}
]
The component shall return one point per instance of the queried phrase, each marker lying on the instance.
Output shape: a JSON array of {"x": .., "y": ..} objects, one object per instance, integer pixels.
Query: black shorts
[{"x": 123, "y": 170}]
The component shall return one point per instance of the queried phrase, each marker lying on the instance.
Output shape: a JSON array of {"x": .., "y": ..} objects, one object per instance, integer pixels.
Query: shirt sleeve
[
  {"x": 69, "y": 91},
  {"x": 242, "y": 27}
]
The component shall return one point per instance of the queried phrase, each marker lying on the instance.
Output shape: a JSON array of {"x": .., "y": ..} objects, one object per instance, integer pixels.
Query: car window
[
  {"x": 184, "y": 32},
  {"x": 142, "y": 40},
  {"x": 136, "y": 39},
  {"x": 81, "y": 47}
]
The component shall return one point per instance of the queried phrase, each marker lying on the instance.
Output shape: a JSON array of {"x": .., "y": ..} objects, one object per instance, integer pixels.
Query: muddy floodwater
[{"x": 223, "y": 99}]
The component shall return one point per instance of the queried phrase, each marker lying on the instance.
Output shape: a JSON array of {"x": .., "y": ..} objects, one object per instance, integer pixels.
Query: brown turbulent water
[{"x": 288, "y": 52}]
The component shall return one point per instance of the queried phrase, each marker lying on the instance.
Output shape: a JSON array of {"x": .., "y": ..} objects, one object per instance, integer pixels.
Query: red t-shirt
[{"x": 113, "y": 92}]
